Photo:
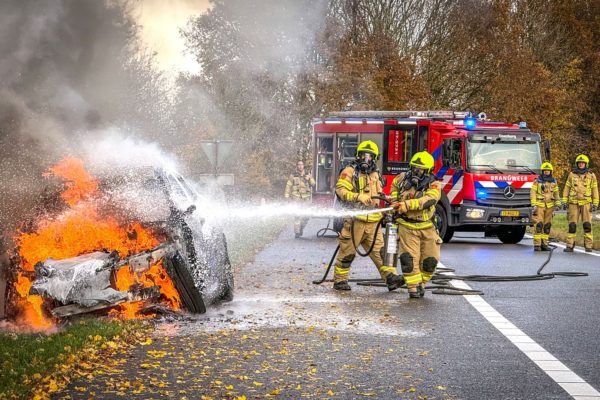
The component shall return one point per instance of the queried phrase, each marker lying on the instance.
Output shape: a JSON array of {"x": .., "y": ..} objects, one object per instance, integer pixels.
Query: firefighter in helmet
[
  {"x": 357, "y": 184},
  {"x": 580, "y": 198},
  {"x": 544, "y": 199},
  {"x": 414, "y": 196},
  {"x": 298, "y": 189}
]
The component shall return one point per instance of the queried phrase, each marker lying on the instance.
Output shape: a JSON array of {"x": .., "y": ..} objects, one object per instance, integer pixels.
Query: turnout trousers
[
  {"x": 419, "y": 254},
  {"x": 582, "y": 213},
  {"x": 300, "y": 222},
  {"x": 542, "y": 223},
  {"x": 364, "y": 234}
]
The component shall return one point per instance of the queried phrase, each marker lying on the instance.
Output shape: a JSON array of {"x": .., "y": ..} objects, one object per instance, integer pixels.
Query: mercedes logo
[{"x": 509, "y": 192}]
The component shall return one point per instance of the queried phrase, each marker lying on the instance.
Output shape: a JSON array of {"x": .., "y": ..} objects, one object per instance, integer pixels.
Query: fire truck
[{"x": 486, "y": 168}]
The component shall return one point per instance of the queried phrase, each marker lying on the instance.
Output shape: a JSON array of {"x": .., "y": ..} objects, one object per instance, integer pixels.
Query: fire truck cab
[{"x": 486, "y": 168}]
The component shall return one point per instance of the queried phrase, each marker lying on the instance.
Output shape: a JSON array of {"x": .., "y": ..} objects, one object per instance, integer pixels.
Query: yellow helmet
[
  {"x": 423, "y": 160},
  {"x": 368, "y": 146},
  {"x": 582, "y": 158},
  {"x": 547, "y": 166}
]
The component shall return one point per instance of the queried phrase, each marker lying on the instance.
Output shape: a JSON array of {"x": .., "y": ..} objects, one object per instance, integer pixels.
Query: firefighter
[
  {"x": 544, "y": 200},
  {"x": 299, "y": 189},
  {"x": 357, "y": 184},
  {"x": 414, "y": 196},
  {"x": 580, "y": 198}
]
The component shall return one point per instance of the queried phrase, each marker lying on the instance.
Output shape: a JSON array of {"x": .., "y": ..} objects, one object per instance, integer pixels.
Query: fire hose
[{"x": 441, "y": 279}]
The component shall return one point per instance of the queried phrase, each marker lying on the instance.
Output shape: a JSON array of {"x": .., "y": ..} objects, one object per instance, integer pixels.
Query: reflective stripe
[
  {"x": 413, "y": 279},
  {"x": 426, "y": 276},
  {"x": 344, "y": 183},
  {"x": 370, "y": 218},
  {"x": 383, "y": 268},
  {"x": 341, "y": 271},
  {"x": 433, "y": 193}
]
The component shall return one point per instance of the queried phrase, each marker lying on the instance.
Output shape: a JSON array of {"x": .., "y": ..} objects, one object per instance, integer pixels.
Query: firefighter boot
[
  {"x": 588, "y": 249},
  {"x": 394, "y": 281},
  {"x": 545, "y": 247},
  {"x": 342, "y": 285},
  {"x": 413, "y": 293},
  {"x": 421, "y": 290},
  {"x": 537, "y": 248},
  {"x": 568, "y": 249}
]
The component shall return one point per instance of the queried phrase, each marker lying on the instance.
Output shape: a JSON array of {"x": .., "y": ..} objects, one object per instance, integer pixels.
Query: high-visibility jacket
[
  {"x": 544, "y": 193},
  {"x": 420, "y": 203},
  {"x": 298, "y": 186},
  {"x": 353, "y": 182},
  {"x": 581, "y": 189}
]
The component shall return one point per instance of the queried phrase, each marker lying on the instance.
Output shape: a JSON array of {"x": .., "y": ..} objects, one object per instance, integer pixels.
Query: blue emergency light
[
  {"x": 481, "y": 194},
  {"x": 522, "y": 124},
  {"x": 470, "y": 122}
]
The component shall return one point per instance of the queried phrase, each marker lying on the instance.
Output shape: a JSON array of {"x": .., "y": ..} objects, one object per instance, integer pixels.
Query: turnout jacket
[
  {"x": 298, "y": 186},
  {"x": 581, "y": 189},
  {"x": 419, "y": 203},
  {"x": 353, "y": 182},
  {"x": 544, "y": 193}
]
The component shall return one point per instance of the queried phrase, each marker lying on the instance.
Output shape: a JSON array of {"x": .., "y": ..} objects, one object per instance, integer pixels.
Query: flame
[
  {"x": 79, "y": 183},
  {"x": 80, "y": 230}
]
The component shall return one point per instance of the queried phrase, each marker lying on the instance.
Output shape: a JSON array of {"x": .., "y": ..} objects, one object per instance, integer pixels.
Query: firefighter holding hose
[
  {"x": 414, "y": 196},
  {"x": 358, "y": 183},
  {"x": 580, "y": 199},
  {"x": 544, "y": 199}
]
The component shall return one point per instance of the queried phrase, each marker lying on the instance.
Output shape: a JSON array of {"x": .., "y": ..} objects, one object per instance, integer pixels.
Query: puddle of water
[{"x": 267, "y": 311}]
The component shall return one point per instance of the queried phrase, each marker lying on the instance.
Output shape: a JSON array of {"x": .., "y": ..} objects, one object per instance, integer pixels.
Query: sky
[{"x": 161, "y": 21}]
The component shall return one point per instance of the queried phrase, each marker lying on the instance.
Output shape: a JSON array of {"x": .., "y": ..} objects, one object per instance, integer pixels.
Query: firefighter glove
[
  {"x": 565, "y": 206},
  {"x": 400, "y": 207},
  {"x": 363, "y": 198},
  {"x": 558, "y": 207},
  {"x": 534, "y": 209},
  {"x": 594, "y": 208}
]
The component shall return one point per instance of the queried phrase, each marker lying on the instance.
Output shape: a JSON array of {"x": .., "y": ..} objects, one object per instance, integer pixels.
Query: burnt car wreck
[{"x": 193, "y": 255}]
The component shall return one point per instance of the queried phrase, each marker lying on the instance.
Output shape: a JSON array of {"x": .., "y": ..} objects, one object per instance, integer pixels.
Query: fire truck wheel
[
  {"x": 441, "y": 223},
  {"x": 511, "y": 234}
]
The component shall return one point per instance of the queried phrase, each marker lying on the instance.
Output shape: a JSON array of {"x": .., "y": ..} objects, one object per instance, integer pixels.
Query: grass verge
[
  {"x": 560, "y": 228},
  {"x": 244, "y": 241},
  {"x": 36, "y": 365}
]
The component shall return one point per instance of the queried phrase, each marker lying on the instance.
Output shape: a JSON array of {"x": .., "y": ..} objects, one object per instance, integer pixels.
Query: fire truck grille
[{"x": 495, "y": 197}]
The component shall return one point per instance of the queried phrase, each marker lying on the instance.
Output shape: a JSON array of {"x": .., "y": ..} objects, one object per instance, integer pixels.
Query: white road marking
[
  {"x": 577, "y": 249},
  {"x": 556, "y": 370}
]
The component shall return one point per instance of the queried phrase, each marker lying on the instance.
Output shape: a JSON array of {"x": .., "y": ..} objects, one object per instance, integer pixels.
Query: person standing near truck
[
  {"x": 298, "y": 189},
  {"x": 544, "y": 199},
  {"x": 580, "y": 199}
]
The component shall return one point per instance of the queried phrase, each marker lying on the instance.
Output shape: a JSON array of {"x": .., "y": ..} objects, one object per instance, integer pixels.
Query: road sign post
[{"x": 217, "y": 151}]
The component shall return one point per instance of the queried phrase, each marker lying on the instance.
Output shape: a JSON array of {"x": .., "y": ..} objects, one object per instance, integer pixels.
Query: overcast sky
[{"x": 161, "y": 21}]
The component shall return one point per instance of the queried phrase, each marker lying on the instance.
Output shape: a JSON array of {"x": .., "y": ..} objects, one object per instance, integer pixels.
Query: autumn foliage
[{"x": 532, "y": 60}]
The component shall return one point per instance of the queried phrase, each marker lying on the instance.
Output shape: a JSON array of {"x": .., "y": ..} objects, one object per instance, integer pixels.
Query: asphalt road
[{"x": 285, "y": 337}]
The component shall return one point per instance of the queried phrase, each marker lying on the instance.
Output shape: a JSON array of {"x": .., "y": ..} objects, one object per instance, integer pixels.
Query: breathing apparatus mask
[
  {"x": 418, "y": 178},
  {"x": 366, "y": 162}
]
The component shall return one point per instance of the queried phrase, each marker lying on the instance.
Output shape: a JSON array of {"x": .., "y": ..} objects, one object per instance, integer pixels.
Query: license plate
[{"x": 509, "y": 213}]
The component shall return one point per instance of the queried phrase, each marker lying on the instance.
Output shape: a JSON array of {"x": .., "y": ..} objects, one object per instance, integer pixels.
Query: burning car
[{"x": 130, "y": 242}]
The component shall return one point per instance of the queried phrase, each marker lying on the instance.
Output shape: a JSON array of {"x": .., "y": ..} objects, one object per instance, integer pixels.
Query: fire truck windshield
[{"x": 508, "y": 157}]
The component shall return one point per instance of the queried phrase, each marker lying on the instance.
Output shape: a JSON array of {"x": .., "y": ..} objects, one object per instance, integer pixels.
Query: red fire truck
[{"x": 486, "y": 168}]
